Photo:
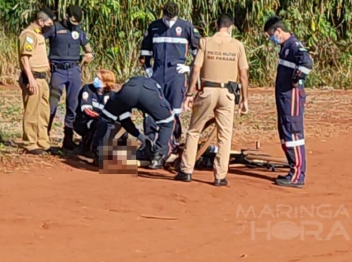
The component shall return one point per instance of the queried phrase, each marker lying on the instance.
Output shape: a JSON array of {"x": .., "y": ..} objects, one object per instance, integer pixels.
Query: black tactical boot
[
  {"x": 68, "y": 143},
  {"x": 220, "y": 182},
  {"x": 184, "y": 177}
]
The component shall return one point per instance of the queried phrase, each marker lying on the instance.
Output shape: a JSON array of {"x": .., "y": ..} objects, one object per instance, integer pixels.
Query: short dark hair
[
  {"x": 273, "y": 23},
  {"x": 75, "y": 11},
  {"x": 225, "y": 20},
  {"x": 170, "y": 9}
]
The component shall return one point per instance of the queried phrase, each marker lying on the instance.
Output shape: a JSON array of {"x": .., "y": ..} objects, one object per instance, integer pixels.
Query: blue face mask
[
  {"x": 273, "y": 39},
  {"x": 97, "y": 83}
]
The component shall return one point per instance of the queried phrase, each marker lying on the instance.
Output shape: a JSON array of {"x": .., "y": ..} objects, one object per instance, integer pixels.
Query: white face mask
[{"x": 168, "y": 23}]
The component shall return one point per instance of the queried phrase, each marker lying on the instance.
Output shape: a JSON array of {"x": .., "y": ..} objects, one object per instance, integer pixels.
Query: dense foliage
[{"x": 116, "y": 29}]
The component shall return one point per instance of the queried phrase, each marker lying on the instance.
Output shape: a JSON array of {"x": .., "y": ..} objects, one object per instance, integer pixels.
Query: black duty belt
[
  {"x": 40, "y": 75},
  {"x": 214, "y": 84},
  {"x": 65, "y": 66}
]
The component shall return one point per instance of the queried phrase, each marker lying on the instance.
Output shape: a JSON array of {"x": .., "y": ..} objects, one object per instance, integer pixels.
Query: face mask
[
  {"x": 70, "y": 25},
  {"x": 98, "y": 83},
  {"x": 46, "y": 28},
  {"x": 169, "y": 23},
  {"x": 273, "y": 39}
]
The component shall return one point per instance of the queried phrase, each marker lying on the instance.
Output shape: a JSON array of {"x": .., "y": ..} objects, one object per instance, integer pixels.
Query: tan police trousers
[
  {"x": 36, "y": 116},
  {"x": 220, "y": 103}
]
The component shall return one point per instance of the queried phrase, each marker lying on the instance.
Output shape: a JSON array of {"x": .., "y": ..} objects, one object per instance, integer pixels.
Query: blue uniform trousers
[
  {"x": 174, "y": 87},
  {"x": 290, "y": 108},
  {"x": 71, "y": 78}
]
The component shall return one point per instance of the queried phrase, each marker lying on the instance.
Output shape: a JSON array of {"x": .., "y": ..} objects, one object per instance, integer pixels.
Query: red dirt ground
[{"x": 73, "y": 214}]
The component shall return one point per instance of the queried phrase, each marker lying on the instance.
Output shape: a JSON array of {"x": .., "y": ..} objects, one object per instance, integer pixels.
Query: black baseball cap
[
  {"x": 48, "y": 12},
  {"x": 74, "y": 11}
]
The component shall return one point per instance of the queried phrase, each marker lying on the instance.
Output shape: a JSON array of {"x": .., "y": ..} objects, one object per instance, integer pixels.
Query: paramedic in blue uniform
[
  {"x": 146, "y": 95},
  {"x": 91, "y": 101},
  {"x": 65, "y": 41},
  {"x": 167, "y": 41},
  {"x": 294, "y": 66}
]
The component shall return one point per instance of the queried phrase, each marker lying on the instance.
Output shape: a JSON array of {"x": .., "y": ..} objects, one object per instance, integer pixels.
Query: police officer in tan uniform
[
  {"x": 35, "y": 90},
  {"x": 219, "y": 62}
]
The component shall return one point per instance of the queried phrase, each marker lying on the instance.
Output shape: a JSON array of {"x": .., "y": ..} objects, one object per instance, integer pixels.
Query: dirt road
[{"x": 66, "y": 213}]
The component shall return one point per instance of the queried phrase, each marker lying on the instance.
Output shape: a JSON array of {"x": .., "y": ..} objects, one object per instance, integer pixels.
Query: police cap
[
  {"x": 48, "y": 12},
  {"x": 75, "y": 12}
]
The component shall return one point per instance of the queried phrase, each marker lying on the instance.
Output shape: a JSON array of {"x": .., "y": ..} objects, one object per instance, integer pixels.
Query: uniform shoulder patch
[
  {"x": 29, "y": 40},
  {"x": 195, "y": 30},
  {"x": 85, "y": 96},
  {"x": 37, "y": 30},
  {"x": 28, "y": 47}
]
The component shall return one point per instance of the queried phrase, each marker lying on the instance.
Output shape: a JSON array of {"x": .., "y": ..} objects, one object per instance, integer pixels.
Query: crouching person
[
  {"x": 144, "y": 94},
  {"x": 91, "y": 101}
]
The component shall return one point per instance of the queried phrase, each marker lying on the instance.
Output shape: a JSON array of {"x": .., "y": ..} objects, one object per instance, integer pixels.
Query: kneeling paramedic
[
  {"x": 91, "y": 101},
  {"x": 294, "y": 66},
  {"x": 146, "y": 95}
]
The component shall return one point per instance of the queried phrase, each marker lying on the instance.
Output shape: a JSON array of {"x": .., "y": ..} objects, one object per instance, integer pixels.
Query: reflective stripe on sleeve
[
  {"x": 293, "y": 66},
  {"x": 146, "y": 53},
  {"x": 124, "y": 116},
  {"x": 109, "y": 115},
  {"x": 84, "y": 107}
]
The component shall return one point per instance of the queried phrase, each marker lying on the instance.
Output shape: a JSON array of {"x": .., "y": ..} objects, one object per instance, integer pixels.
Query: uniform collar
[
  {"x": 289, "y": 41},
  {"x": 36, "y": 28}
]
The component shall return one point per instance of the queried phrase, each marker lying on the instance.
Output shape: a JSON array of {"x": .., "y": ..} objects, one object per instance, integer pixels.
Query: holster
[
  {"x": 24, "y": 77},
  {"x": 232, "y": 87},
  {"x": 235, "y": 88}
]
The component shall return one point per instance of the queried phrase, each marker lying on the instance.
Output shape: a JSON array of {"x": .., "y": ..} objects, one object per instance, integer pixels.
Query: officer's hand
[
  {"x": 181, "y": 69},
  {"x": 88, "y": 57},
  {"x": 149, "y": 72},
  {"x": 188, "y": 103},
  {"x": 143, "y": 139},
  {"x": 32, "y": 86},
  {"x": 243, "y": 107}
]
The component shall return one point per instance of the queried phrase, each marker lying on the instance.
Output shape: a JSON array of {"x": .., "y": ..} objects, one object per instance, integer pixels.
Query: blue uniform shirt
[
  {"x": 293, "y": 56},
  {"x": 169, "y": 46},
  {"x": 89, "y": 98}
]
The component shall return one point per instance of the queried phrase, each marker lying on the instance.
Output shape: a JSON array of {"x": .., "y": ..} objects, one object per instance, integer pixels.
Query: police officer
[
  {"x": 219, "y": 61},
  {"x": 35, "y": 90},
  {"x": 146, "y": 95},
  {"x": 167, "y": 41},
  {"x": 91, "y": 101},
  {"x": 294, "y": 66},
  {"x": 65, "y": 39}
]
